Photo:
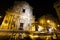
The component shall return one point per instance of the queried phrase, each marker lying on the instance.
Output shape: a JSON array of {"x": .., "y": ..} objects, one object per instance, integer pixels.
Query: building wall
[
  {"x": 20, "y": 15},
  {"x": 26, "y": 14},
  {"x": 57, "y": 8},
  {"x": 48, "y": 20}
]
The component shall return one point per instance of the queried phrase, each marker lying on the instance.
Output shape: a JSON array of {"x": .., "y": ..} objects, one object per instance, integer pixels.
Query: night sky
[{"x": 40, "y": 7}]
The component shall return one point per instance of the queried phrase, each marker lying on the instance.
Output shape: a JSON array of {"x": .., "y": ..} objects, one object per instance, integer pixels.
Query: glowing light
[
  {"x": 42, "y": 21},
  {"x": 31, "y": 36},
  {"x": 48, "y": 21},
  {"x": 35, "y": 36},
  {"x": 50, "y": 30},
  {"x": 58, "y": 25},
  {"x": 40, "y": 28},
  {"x": 33, "y": 28}
]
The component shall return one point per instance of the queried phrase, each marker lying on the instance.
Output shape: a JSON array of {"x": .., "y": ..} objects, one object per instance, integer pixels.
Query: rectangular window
[
  {"x": 21, "y": 26},
  {"x": 23, "y": 10}
]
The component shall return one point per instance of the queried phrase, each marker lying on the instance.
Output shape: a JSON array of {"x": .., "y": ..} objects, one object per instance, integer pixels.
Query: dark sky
[{"x": 40, "y": 7}]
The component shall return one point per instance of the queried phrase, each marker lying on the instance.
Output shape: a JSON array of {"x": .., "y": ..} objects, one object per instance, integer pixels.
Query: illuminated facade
[
  {"x": 19, "y": 17},
  {"x": 48, "y": 22},
  {"x": 57, "y": 8}
]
